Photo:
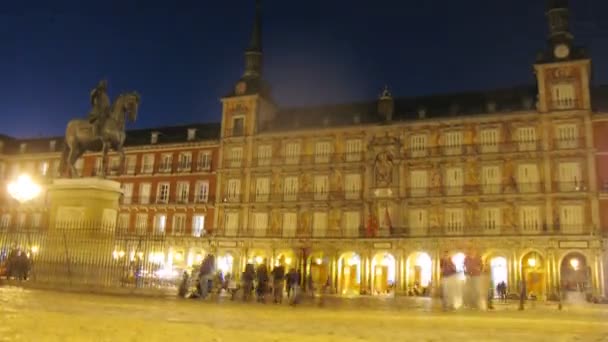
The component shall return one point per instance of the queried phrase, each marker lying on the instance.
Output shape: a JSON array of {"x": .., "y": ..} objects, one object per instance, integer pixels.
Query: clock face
[
  {"x": 561, "y": 51},
  {"x": 240, "y": 88}
]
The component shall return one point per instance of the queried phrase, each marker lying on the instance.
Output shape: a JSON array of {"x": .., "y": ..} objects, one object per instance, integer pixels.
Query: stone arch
[
  {"x": 574, "y": 271},
  {"x": 350, "y": 273},
  {"x": 383, "y": 272}
]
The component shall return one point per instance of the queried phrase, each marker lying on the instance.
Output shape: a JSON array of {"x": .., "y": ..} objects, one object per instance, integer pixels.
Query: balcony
[
  {"x": 236, "y": 131},
  {"x": 309, "y": 159},
  {"x": 234, "y": 163},
  {"x": 529, "y": 187},
  {"x": 576, "y": 186},
  {"x": 568, "y": 144},
  {"x": 149, "y": 200}
]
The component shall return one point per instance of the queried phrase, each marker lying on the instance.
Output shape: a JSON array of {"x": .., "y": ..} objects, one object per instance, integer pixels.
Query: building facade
[{"x": 366, "y": 197}]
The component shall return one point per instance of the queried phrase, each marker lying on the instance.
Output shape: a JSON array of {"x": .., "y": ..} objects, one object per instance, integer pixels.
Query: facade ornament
[{"x": 383, "y": 169}]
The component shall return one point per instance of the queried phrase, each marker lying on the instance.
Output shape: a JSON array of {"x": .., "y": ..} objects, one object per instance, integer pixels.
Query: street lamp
[
  {"x": 24, "y": 189},
  {"x": 574, "y": 263}
]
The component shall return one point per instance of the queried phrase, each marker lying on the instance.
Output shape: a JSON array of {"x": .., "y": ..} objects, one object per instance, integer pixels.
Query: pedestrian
[
  {"x": 476, "y": 283},
  {"x": 293, "y": 279},
  {"x": 248, "y": 278},
  {"x": 278, "y": 282},
  {"x": 448, "y": 282},
  {"x": 262, "y": 278},
  {"x": 206, "y": 274}
]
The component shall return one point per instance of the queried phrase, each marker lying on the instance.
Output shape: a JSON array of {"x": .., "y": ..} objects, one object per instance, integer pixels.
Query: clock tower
[
  {"x": 249, "y": 105},
  {"x": 563, "y": 70}
]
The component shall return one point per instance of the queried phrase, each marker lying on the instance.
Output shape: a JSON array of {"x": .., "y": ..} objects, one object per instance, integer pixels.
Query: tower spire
[
  {"x": 558, "y": 16},
  {"x": 253, "y": 54}
]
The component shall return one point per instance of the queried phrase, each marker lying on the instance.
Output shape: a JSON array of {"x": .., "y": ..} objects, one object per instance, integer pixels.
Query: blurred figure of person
[
  {"x": 231, "y": 286},
  {"x": 206, "y": 274},
  {"x": 449, "y": 282},
  {"x": 183, "y": 285},
  {"x": 248, "y": 278},
  {"x": 262, "y": 278},
  {"x": 476, "y": 282},
  {"x": 293, "y": 281},
  {"x": 278, "y": 281}
]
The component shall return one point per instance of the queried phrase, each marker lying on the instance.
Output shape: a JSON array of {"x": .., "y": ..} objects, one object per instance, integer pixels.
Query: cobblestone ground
[{"x": 34, "y": 315}]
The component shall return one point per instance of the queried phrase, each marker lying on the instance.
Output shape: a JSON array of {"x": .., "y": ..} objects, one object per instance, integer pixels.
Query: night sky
[{"x": 182, "y": 59}]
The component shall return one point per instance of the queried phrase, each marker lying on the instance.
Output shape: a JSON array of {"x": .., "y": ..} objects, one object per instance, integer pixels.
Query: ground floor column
[
  {"x": 399, "y": 281},
  {"x": 435, "y": 273}
]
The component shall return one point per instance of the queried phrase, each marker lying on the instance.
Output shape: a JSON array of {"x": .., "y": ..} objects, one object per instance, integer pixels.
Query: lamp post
[{"x": 23, "y": 189}]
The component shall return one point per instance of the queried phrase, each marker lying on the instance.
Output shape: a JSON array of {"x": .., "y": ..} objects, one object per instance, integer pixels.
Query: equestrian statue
[{"x": 103, "y": 129}]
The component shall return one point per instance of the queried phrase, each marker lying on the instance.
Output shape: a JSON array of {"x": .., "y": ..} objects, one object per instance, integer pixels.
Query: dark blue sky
[{"x": 183, "y": 58}]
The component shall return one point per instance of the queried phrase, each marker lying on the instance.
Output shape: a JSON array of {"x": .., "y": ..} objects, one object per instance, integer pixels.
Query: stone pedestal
[{"x": 83, "y": 203}]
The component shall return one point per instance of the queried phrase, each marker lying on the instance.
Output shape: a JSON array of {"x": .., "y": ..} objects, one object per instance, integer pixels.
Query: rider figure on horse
[{"x": 101, "y": 105}]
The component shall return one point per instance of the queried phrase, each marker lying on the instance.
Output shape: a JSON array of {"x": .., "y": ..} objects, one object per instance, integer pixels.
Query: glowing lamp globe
[
  {"x": 24, "y": 189},
  {"x": 574, "y": 263}
]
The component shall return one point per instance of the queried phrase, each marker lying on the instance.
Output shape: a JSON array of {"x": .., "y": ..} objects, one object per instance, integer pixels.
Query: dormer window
[
  {"x": 238, "y": 126},
  {"x": 326, "y": 121},
  {"x": 454, "y": 109},
  {"x": 22, "y": 148},
  {"x": 491, "y": 106},
  {"x": 52, "y": 145},
  {"x": 421, "y": 113},
  {"x": 154, "y": 138},
  {"x": 527, "y": 102},
  {"x": 191, "y": 134},
  {"x": 357, "y": 119}
]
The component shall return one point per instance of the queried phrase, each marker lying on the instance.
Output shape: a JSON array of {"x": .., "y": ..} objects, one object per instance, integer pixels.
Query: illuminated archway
[
  {"x": 383, "y": 273},
  {"x": 319, "y": 269},
  {"x": 574, "y": 272},
  {"x": 533, "y": 271},
  {"x": 458, "y": 260},
  {"x": 287, "y": 258},
  {"x": 499, "y": 271},
  {"x": 419, "y": 272},
  {"x": 225, "y": 263},
  {"x": 349, "y": 266}
]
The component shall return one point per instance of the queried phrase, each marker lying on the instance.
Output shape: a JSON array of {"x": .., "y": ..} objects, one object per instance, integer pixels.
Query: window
[
  {"x": 262, "y": 189},
  {"x": 44, "y": 168},
  {"x": 166, "y": 161},
  {"x": 184, "y": 162},
  {"x": 191, "y": 134},
  {"x": 204, "y": 161},
  {"x": 319, "y": 224},
  {"x": 454, "y": 181},
  {"x": 530, "y": 219},
  {"x": 179, "y": 224},
  {"x": 22, "y": 147},
  {"x": 454, "y": 223},
  {"x": 231, "y": 224},
  {"x": 52, "y": 145},
  {"x": 236, "y": 157},
  {"x": 528, "y": 180},
  {"x": 489, "y": 140},
  {"x": 260, "y": 224},
  {"x": 98, "y": 166},
  {"x": 162, "y": 194},
  {"x": 79, "y": 165},
  {"x": 130, "y": 161},
  {"x": 202, "y": 191},
  {"x": 144, "y": 193},
  {"x": 21, "y": 220},
  {"x": 292, "y": 153},
  {"x": 141, "y": 223},
  {"x": 571, "y": 219},
  {"x": 147, "y": 165},
  {"x": 567, "y": 136},
  {"x": 153, "y": 138},
  {"x": 491, "y": 220},
  {"x": 290, "y": 190},
  {"x": 36, "y": 220},
  {"x": 183, "y": 190},
  {"x": 490, "y": 178},
  {"x": 526, "y": 138},
  {"x": 5, "y": 220},
  {"x": 418, "y": 182},
  {"x": 160, "y": 224},
  {"x": 453, "y": 143},
  {"x": 352, "y": 222},
  {"x": 564, "y": 96},
  {"x": 418, "y": 145},
  {"x": 127, "y": 193},
  {"x": 114, "y": 165},
  {"x": 418, "y": 222},
  {"x": 352, "y": 186},
  {"x": 198, "y": 225},
  {"x": 264, "y": 155},
  {"x": 322, "y": 152},
  {"x": 123, "y": 222},
  {"x": 570, "y": 176},
  {"x": 234, "y": 190},
  {"x": 290, "y": 224},
  {"x": 354, "y": 150},
  {"x": 238, "y": 126},
  {"x": 321, "y": 187}
]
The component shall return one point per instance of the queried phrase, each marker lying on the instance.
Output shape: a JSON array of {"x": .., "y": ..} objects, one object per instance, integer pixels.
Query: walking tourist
[
  {"x": 278, "y": 281},
  {"x": 206, "y": 274},
  {"x": 476, "y": 281},
  {"x": 248, "y": 278},
  {"x": 262, "y": 278},
  {"x": 449, "y": 281}
]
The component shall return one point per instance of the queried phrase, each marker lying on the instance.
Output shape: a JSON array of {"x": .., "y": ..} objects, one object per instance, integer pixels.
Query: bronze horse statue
[{"x": 82, "y": 136}]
